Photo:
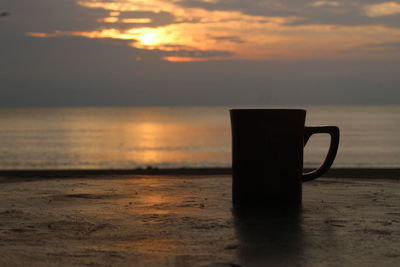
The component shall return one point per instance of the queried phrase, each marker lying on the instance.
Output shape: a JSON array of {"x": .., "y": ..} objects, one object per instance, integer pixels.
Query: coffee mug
[{"x": 267, "y": 156}]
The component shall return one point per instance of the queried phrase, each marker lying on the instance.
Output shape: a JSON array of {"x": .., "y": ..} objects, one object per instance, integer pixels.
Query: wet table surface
[{"x": 132, "y": 220}]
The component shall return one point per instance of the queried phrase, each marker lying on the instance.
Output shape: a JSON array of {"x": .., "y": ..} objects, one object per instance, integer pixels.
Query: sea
[{"x": 174, "y": 137}]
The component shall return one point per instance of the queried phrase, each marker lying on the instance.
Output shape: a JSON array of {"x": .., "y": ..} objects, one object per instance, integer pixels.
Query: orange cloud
[
  {"x": 261, "y": 37},
  {"x": 383, "y": 9}
]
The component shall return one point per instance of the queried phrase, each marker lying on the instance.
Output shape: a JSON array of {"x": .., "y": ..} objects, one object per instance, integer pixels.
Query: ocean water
[{"x": 168, "y": 137}]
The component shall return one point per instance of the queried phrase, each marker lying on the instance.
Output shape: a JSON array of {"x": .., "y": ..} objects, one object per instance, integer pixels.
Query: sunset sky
[{"x": 199, "y": 52}]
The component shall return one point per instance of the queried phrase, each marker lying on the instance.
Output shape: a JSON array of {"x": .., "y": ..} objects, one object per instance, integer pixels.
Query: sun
[
  {"x": 154, "y": 38},
  {"x": 148, "y": 39}
]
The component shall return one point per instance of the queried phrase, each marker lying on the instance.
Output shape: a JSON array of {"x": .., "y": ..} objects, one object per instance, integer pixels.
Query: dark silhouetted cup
[{"x": 267, "y": 157}]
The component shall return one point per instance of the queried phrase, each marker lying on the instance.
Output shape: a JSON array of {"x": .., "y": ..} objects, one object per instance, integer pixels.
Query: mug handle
[{"x": 334, "y": 132}]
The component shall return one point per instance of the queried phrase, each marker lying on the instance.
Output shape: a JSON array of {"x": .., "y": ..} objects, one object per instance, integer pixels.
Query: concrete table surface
[{"x": 133, "y": 220}]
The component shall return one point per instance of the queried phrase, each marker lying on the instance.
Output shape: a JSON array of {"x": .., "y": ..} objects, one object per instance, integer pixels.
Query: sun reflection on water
[{"x": 147, "y": 133}]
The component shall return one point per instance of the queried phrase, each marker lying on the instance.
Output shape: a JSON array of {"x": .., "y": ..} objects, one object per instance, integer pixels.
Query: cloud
[
  {"x": 383, "y": 9},
  {"x": 214, "y": 29},
  {"x": 247, "y": 30},
  {"x": 231, "y": 38},
  {"x": 169, "y": 52},
  {"x": 132, "y": 19},
  {"x": 46, "y": 16},
  {"x": 326, "y": 3},
  {"x": 391, "y": 45},
  {"x": 312, "y": 12},
  {"x": 182, "y": 55}
]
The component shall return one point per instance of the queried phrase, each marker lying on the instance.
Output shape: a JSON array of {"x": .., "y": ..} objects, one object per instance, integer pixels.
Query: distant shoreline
[{"x": 373, "y": 173}]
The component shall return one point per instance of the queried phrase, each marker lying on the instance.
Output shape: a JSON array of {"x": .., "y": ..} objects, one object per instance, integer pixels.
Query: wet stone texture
[{"x": 189, "y": 221}]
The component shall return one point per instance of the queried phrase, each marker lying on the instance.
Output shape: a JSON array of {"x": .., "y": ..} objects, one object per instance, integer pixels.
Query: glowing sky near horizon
[{"x": 201, "y": 30}]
